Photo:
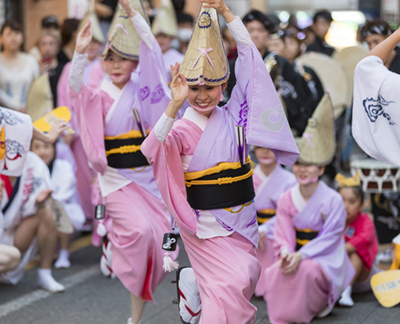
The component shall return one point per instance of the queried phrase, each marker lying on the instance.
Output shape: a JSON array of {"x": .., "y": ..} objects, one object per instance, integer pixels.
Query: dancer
[
  {"x": 63, "y": 183},
  {"x": 111, "y": 137},
  {"x": 376, "y": 113},
  {"x": 360, "y": 236},
  {"x": 270, "y": 182},
  {"x": 308, "y": 237},
  {"x": 195, "y": 157}
]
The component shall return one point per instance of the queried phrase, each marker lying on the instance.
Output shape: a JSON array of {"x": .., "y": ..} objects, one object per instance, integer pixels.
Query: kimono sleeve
[
  {"x": 284, "y": 231},
  {"x": 254, "y": 102},
  {"x": 331, "y": 233},
  {"x": 91, "y": 106},
  {"x": 376, "y": 110}
]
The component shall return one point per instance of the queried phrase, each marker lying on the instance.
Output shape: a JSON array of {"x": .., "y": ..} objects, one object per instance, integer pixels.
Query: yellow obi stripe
[
  {"x": 265, "y": 215},
  {"x": 304, "y": 236},
  {"x": 126, "y": 148},
  {"x": 131, "y": 134},
  {"x": 190, "y": 177}
]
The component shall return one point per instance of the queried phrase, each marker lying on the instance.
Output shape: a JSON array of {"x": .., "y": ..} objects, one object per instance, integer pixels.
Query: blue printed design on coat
[
  {"x": 375, "y": 108},
  {"x": 157, "y": 94}
]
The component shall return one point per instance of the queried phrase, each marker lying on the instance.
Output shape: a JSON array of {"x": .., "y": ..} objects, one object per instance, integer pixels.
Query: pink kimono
[
  {"x": 92, "y": 76},
  {"x": 133, "y": 202},
  {"x": 325, "y": 270},
  {"x": 225, "y": 267},
  {"x": 268, "y": 190}
]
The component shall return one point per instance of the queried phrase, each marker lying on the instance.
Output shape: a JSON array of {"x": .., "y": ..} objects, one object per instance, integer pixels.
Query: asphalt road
[{"x": 90, "y": 298}]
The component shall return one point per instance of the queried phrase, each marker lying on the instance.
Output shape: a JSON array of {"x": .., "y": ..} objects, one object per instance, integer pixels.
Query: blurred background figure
[
  {"x": 105, "y": 10},
  {"x": 165, "y": 29},
  {"x": 321, "y": 23},
  {"x": 185, "y": 27},
  {"x": 17, "y": 69},
  {"x": 68, "y": 37},
  {"x": 48, "y": 22}
]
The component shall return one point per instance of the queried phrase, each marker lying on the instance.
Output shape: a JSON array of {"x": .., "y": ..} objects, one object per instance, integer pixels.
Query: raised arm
[{"x": 383, "y": 49}]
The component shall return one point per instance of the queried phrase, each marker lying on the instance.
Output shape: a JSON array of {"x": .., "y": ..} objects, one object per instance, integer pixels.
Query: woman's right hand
[
  {"x": 84, "y": 38},
  {"x": 179, "y": 91}
]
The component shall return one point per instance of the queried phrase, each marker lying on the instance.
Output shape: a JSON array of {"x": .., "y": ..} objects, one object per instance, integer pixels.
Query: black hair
[
  {"x": 13, "y": 25},
  {"x": 184, "y": 18},
  {"x": 260, "y": 17},
  {"x": 50, "y": 22},
  {"x": 69, "y": 26},
  {"x": 357, "y": 191},
  {"x": 323, "y": 14},
  {"x": 376, "y": 27}
]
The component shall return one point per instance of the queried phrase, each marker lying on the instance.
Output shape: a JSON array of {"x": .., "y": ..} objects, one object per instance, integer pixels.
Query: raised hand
[
  {"x": 43, "y": 196},
  {"x": 84, "y": 38},
  {"x": 127, "y": 7},
  {"x": 220, "y": 7},
  {"x": 179, "y": 91}
]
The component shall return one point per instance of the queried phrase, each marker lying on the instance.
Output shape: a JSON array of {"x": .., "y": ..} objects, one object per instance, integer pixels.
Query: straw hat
[
  {"x": 123, "y": 38},
  {"x": 40, "y": 98},
  {"x": 317, "y": 145},
  {"x": 165, "y": 20},
  {"x": 95, "y": 24},
  {"x": 205, "y": 61}
]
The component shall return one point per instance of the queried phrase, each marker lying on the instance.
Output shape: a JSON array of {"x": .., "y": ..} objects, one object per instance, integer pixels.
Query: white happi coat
[
  {"x": 35, "y": 178},
  {"x": 376, "y": 110},
  {"x": 63, "y": 182},
  {"x": 18, "y": 128}
]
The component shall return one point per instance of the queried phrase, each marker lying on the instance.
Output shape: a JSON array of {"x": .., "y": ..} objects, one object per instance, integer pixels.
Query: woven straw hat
[
  {"x": 165, "y": 20},
  {"x": 40, "y": 98},
  {"x": 317, "y": 145},
  {"x": 205, "y": 61},
  {"x": 123, "y": 38},
  {"x": 95, "y": 24}
]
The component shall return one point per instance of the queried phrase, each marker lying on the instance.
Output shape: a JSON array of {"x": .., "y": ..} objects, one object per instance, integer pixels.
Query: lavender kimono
[{"x": 132, "y": 200}]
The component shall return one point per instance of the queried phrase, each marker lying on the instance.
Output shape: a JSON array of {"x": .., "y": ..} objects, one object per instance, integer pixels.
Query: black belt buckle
[{"x": 169, "y": 242}]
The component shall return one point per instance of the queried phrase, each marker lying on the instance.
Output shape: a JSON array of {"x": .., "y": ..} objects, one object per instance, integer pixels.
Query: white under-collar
[
  {"x": 298, "y": 199},
  {"x": 195, "y": 117},
  {"x": 112, "y": 90},
  {"x": 261, "y": 174}
]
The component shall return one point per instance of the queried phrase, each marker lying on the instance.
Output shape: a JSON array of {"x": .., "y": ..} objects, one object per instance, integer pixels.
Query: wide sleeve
[
  {"x": 284, "y": 231},
  {"x": 91, "y": 106},
  {"x": 364, "y": 239},
  {"x": 65, "y": 186},
  {"x": 254, "y": 102},
  {"x": 163, "y": 149},
  {"x": 153, "y": 84},
  {"x": 331, "y": 233},
  {"x": 376, "y": 110}
]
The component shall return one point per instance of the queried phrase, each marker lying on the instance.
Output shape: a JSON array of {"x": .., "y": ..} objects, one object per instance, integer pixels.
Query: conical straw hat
[
  {"x": 95, "y": 24},
  {"x": 123, "y": 38},
  {"x": 40, "y": 98},
  {"x": 165, "y": 20},
  {"x": 317, "y": 145},
  {"x": 205, "y": 61}
]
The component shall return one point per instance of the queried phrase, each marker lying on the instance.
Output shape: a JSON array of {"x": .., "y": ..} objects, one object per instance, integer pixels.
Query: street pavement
[{"x": 90, "y": 298}]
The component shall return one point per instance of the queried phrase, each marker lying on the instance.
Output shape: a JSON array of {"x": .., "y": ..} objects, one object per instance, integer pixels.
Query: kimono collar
[
  {"x": 111, "y": 89},
  {"x": 196, "y": 118},
  {"x": 298, "y": 199}
]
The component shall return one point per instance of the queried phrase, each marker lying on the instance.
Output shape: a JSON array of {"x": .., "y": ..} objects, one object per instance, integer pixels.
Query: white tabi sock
[
  {"x": 346, "y": 299},
  {"x": 63, "y": 260},
  {"x": 130, "y": 321},
  {"x": 47, "y": 282},
  {"x": 190, "y": 303}
]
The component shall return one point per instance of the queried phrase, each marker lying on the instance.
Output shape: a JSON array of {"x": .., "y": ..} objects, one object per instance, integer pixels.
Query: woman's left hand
[{"x": 293, "y": 262}]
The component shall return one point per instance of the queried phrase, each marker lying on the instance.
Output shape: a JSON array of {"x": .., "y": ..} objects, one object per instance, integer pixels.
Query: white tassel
[
  {"x": 101, "y": 229},
  {"x": 169, "y": 264}
]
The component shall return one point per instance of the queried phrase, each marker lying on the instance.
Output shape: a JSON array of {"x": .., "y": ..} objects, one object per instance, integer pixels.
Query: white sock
[
  {"x": 63, "y": 260},
  {"x": 47, "y": 282},
  {"x": 346, "y": 299}
]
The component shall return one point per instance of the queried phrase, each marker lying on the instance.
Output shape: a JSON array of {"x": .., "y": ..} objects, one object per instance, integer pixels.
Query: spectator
[
  {"x": 185, "y": 27},
  {"x": 17, "y": 69},
  {"x": 68, "y": 40},
  {"x": 321, "y": 23},
  {"x": 49, "y": 45}
]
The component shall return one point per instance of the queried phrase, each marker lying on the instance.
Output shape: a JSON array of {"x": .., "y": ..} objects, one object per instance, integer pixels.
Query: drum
[{"x": 376, "y": 176}]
